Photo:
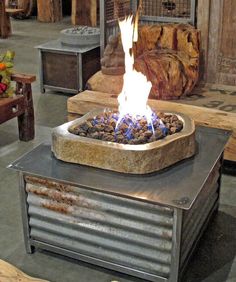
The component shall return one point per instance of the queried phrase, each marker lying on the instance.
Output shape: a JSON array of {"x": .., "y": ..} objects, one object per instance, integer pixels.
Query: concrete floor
[{"x": 214, "y": 259}]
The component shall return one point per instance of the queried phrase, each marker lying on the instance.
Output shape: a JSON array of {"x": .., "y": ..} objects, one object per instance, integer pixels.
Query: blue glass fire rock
[{"x": 129, "y": 130}]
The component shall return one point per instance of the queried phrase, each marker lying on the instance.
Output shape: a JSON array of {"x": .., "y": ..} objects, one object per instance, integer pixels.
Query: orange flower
[{"x": 2, "y": 66}]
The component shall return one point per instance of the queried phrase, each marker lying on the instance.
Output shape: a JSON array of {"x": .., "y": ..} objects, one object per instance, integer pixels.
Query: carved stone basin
[
  {"x": 80, "y": 36},
  {"x": 125, "y": 158}
]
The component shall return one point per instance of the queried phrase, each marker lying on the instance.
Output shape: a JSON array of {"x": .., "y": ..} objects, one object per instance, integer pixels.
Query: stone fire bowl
[{"x": 135, "y": 159}]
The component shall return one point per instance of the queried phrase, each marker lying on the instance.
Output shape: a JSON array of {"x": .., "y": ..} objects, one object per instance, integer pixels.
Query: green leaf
[
  {"x": 9, "y": 56},
  {"x": 9, "y": 64}
]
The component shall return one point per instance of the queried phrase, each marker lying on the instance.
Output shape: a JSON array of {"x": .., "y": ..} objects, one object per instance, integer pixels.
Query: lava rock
[{"x": 129, "y": 130}]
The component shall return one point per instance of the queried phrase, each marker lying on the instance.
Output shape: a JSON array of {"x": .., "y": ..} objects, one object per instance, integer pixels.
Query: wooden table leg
[{"x": 26, "y": 120}]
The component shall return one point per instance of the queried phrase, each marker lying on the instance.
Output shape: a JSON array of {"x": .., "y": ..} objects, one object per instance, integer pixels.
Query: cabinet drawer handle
[{"x": 15, "y": 109}]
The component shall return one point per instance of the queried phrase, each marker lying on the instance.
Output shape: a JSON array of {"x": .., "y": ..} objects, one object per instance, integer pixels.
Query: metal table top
[
  {"x": 176, "y": 186},
  {"x": 56, "y": 45}
]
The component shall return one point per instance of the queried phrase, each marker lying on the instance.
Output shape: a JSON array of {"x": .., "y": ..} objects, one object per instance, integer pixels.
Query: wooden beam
[
  {"x": 203, "y": 22},
  {"x": 84, "y": 12},
  {"x": 89, "y": 100},
  {"x": 215, "y": 26}
]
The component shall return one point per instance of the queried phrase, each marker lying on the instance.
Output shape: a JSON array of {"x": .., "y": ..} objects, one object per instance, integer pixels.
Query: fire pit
[
  {"x": 146, "y": 226},
  {"x": 147, "y": 141},
  {"x": 109, "y": 127},
  {"x": 126, "y": 158},
  {"x": 80, "y": 36}
]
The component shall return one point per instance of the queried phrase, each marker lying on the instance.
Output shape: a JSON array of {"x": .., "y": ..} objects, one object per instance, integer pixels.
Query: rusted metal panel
[
  {"x": 154, "y": 239},
  {"x": 103, "y": 226}
]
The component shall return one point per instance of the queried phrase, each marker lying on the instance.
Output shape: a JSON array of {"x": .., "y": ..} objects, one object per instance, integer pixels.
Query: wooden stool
[{"x": 20, "y": 106}]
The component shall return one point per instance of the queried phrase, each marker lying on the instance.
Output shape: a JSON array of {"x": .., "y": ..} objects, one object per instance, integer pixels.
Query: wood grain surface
[
  {"x": 221, "y": 59},
  {"x": 84, "y": 12},
  {"x": 49, "y": 10},
  {"x": 9, "y": 273}
]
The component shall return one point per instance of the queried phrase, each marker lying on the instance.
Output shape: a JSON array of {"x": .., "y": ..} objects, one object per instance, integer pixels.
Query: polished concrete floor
[{"x": 214, "y": 259}]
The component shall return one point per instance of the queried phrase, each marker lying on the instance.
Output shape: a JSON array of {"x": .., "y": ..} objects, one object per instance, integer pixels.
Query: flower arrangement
[{"x": 6, "y": 66}]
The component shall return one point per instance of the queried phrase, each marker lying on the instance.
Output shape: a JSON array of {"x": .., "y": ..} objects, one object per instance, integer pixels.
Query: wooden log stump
[
  {"x": 84, "y": 12},
  {"x": 168, "y": 55},
  {"x": 105, "y": 83},
  {"x": 49, "y": 10}
]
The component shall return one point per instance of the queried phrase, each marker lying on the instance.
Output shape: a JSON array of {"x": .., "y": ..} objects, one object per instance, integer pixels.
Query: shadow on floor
[
  {"x": 216, "y": 251},
  {"x": 7, "y": 138},
  {"x": 51, "y": 109}
]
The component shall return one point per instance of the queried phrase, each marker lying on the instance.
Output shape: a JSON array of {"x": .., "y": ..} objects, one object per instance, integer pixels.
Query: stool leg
[{"x": 26, "y": 120}]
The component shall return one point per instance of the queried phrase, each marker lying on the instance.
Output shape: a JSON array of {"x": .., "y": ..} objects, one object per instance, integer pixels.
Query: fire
[{"x": 136, "y": 88}]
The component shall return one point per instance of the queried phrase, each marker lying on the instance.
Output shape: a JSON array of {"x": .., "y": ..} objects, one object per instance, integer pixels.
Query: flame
[
  {"x": 136, "y": 20},
  {"x": 135, "y": 36},
  {"x": 136, "y": 88}
]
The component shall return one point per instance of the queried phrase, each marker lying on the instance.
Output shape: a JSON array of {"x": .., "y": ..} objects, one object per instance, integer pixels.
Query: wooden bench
[
  {"x": 5, "y": 22},
  {"x": 20, "y": 106}
]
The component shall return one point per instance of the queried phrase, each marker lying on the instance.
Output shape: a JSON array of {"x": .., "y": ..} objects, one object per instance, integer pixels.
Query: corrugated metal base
[
  {"x": 112, "y": 229},
  {"x": 146, "y": 240}
]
